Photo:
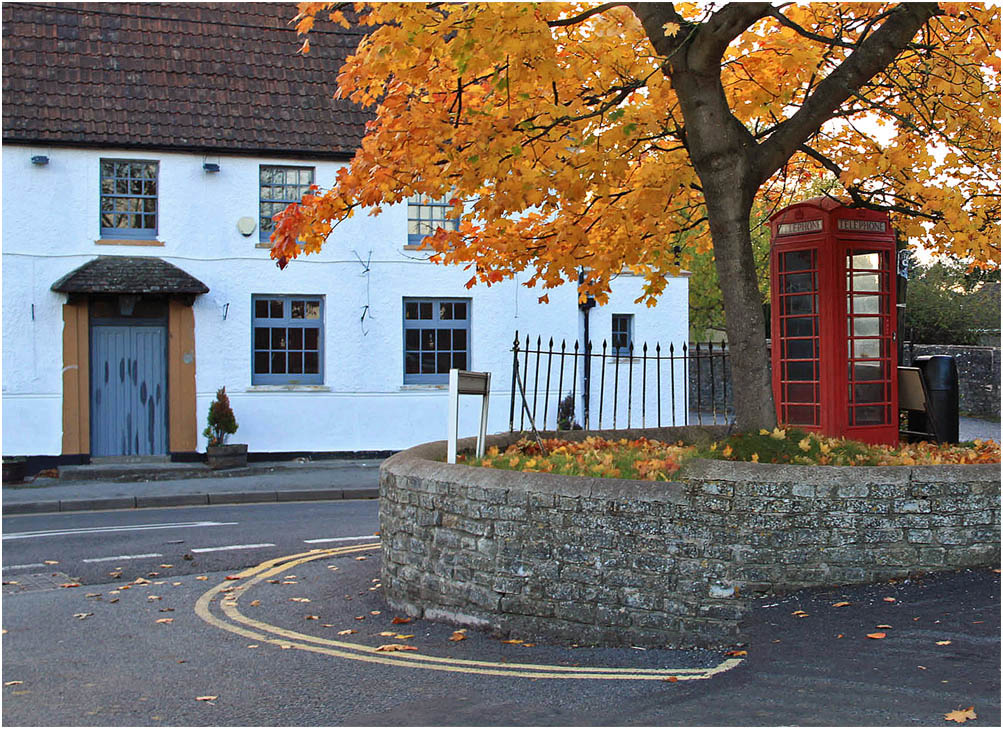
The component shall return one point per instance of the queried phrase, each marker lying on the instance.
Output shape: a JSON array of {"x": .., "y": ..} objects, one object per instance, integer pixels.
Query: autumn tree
[{"x": 580, "y": 137}]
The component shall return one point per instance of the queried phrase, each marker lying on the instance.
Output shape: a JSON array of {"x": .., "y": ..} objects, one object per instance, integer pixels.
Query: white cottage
[{"x": 145, "y": 149}]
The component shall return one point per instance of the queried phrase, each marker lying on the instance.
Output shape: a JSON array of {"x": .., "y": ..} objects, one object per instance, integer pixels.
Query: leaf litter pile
[{"x": 651, "y": 460}]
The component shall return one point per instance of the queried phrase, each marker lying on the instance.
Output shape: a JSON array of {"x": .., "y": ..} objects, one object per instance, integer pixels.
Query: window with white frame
[
  {"x": 278, "y": 187},
  {"x": 287, "y": 339},
  {"x": 623, "y": 334},
  {"x": 129, "y": 198},
  {"x": 436, "y": 339},
  {"x": 426, "y": 215}
]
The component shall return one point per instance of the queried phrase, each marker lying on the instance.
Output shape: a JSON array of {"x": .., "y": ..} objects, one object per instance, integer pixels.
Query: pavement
[{"x": 141, "y": 485}]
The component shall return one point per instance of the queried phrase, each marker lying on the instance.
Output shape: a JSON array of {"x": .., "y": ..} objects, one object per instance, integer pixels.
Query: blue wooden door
[{"x": 128, "y": 390}]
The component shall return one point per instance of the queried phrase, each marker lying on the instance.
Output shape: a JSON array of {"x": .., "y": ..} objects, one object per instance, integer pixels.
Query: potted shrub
[{"x": 222, "y": 424}]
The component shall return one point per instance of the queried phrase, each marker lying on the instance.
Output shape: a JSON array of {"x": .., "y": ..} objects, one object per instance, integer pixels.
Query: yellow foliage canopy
[{"x": 559, "y": 138}]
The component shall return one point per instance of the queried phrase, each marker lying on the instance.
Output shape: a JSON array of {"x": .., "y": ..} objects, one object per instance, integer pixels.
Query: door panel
[{"x": 128, "y": 390}]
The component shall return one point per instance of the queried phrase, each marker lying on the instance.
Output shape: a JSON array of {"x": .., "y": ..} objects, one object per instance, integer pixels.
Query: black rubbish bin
[{"x": 940, "y": 374}]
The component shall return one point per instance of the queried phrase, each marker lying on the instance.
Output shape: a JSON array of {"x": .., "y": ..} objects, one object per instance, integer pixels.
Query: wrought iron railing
[{"x": 564, "y": 387}]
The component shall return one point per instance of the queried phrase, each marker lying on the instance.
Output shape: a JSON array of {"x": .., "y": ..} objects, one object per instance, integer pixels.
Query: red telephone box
[{"x": 833, "y": 323}]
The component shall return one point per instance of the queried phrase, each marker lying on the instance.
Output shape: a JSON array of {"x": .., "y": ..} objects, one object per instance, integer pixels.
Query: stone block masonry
[{"x": 616, "y": 562}]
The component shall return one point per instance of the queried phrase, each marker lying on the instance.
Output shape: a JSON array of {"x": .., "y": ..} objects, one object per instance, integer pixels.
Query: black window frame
[
  {"x": 113, "y": 198},
  {"x": 436, "y": 323},
  {"x": 285, "y": 322},
  {"x": 266, "y": 225}
]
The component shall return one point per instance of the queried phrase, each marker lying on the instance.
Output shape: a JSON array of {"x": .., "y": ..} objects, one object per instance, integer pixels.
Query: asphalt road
[
  {"x": 89, "y": 545},
  {"x": 272, "y": 646}
]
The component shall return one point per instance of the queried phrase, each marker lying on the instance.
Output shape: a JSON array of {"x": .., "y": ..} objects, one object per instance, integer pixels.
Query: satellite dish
[{"x": 246, "y": 226}]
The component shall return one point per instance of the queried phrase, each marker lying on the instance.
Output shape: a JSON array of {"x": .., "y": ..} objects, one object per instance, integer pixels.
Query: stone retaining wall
[{"x": 615, "y": 561}]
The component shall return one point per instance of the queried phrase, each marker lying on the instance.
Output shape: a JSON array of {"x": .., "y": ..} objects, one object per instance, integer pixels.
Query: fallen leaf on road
[
  {"x": 13, "y": 683},
  {"x": 943, "y": 642},
  {"x": 70, "y": 584},
  {"x": 458, "y": 635},
  {"x": 273, "y": 582},
  {"x": 82, "y": 616},
  {"x": 387, "y": 634},
  {"x": 166, "y": 610},
  {"x": 736, "y": 653},
  {"x": 389, "y": 647},
  {"x": 202, "y": 577},
  {"x": 255, "y": 603},
  {"x": 51, "y": 561},
  {"x": 360, "y": 617},
  {"x": 882, "y": 626},
  {"x": 165, "y": 620},
  {"x": 670, "y": 679},
  {"x": 166, "y": 566},
  {"x": 152, "y": 574},
  {"x": 332, "y": 568},
  {"x": 232, "y": 577},
  {"x": 527, "y": 645},
  {"x": 326, "y": 625},
  {"x": 206, "y": 698},
  {"x": 961, "y": 715},
  {"x": 360, "y": 559},
  {"x": 513, "y": 641},
  {"x": 840, "y": 604},
  {"x": 876, "y": 636},
  {"x": 114, "y": 599},
  {"x": 290, "y": 582},
  {"x": 125, "y": 587},
  {"x": 401, "y": 621},
  {"x": 888, "y": 599},
  {"x": 922, "y": 668},
  {"x": 141, "y": 581},
  {"x": 347, "y": 632},
  {"x": 154, "y": 597},
  {"x": 93, "y": 594},
  {"x": 374, "y": 612},
  {"x": 404, "y": 637},
  {"x": 176, "y": 584},
  {"x": 299, "y": 599},
  {"x": 253, "y": 645},
  {"x": 800, "y": 613},
  {"x": 312, "y": 617}
]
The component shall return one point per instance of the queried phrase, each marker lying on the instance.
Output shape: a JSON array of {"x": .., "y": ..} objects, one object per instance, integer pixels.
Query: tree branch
[
  {"x": 562, "y": 22},
  {"x": 871, "y": 57}
]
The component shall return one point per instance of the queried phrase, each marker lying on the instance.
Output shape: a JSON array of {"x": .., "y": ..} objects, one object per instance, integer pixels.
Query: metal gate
[{"x": 128, "y": 389}]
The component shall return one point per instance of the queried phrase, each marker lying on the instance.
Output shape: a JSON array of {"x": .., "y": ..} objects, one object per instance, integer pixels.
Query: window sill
[
  {"x": 129, "y": 242},
  {"x": 427, "y": 387},
  {"x": 288, "y": 388}
]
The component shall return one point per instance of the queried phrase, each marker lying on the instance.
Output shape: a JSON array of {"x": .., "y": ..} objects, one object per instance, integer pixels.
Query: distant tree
[{"x": 946, "y": 303}]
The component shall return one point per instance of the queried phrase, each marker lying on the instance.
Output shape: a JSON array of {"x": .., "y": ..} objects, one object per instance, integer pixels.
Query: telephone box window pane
[
  {"x": 801, "y": 371},
  {"x": 871, "y": 415},
  {"x": 797, "y": 261},
  {"x": 871, "y": 261},
  {"x": 801, "y": 392},
  {"x": 801, "y": 326},
  {"x": 866, "y": 371},
  {"x": 871, "y": 392},
  {"x": 866, "y": 282},
  {"x": 800, "y": 349},
  {"x": 797, "y": 283},
  {"x": 802, "y": 415},
  {"x": 804, "y": 304},
  {"x": 866, "y": 304},
  {"x": 866, "y": 348},
  {"x": 864, "y": 326}
]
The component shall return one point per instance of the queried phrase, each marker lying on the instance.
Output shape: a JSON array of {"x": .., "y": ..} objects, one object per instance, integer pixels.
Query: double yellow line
[{"x": 236, "y": 622}]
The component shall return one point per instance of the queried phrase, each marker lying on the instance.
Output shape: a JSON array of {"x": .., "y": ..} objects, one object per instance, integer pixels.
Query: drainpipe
[{"x": 587, "y": 368}]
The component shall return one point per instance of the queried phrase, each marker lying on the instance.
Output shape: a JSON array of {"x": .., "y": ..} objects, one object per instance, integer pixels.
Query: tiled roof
[
  {"x": 129, "y": 275},
  {"x": 210, "y": 77}
]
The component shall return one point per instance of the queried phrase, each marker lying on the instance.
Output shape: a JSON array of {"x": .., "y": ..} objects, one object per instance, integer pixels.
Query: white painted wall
[{"x": 50, "y": 225}]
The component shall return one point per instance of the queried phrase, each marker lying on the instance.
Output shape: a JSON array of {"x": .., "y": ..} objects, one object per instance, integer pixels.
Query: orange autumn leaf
[
  {"x": 670, "y": 679},
  {"x": 458, "y": 635},
  {"x": 390, "y": 647},
  {"x": 888, "y": 599},
  {"x": 401, "y": 621},
  {"x": 943, "y": 642},
  {"x": 736, "y": 653},
  {"x": 882, "y": 626},
  {"x": 840, "y": 604},
  {"x": 876, "y": 636},
  {"x": 961, "y": 715}
]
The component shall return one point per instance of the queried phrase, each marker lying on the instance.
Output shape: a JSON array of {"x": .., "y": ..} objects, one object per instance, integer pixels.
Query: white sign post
[{"x": 463, "y": 382}]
